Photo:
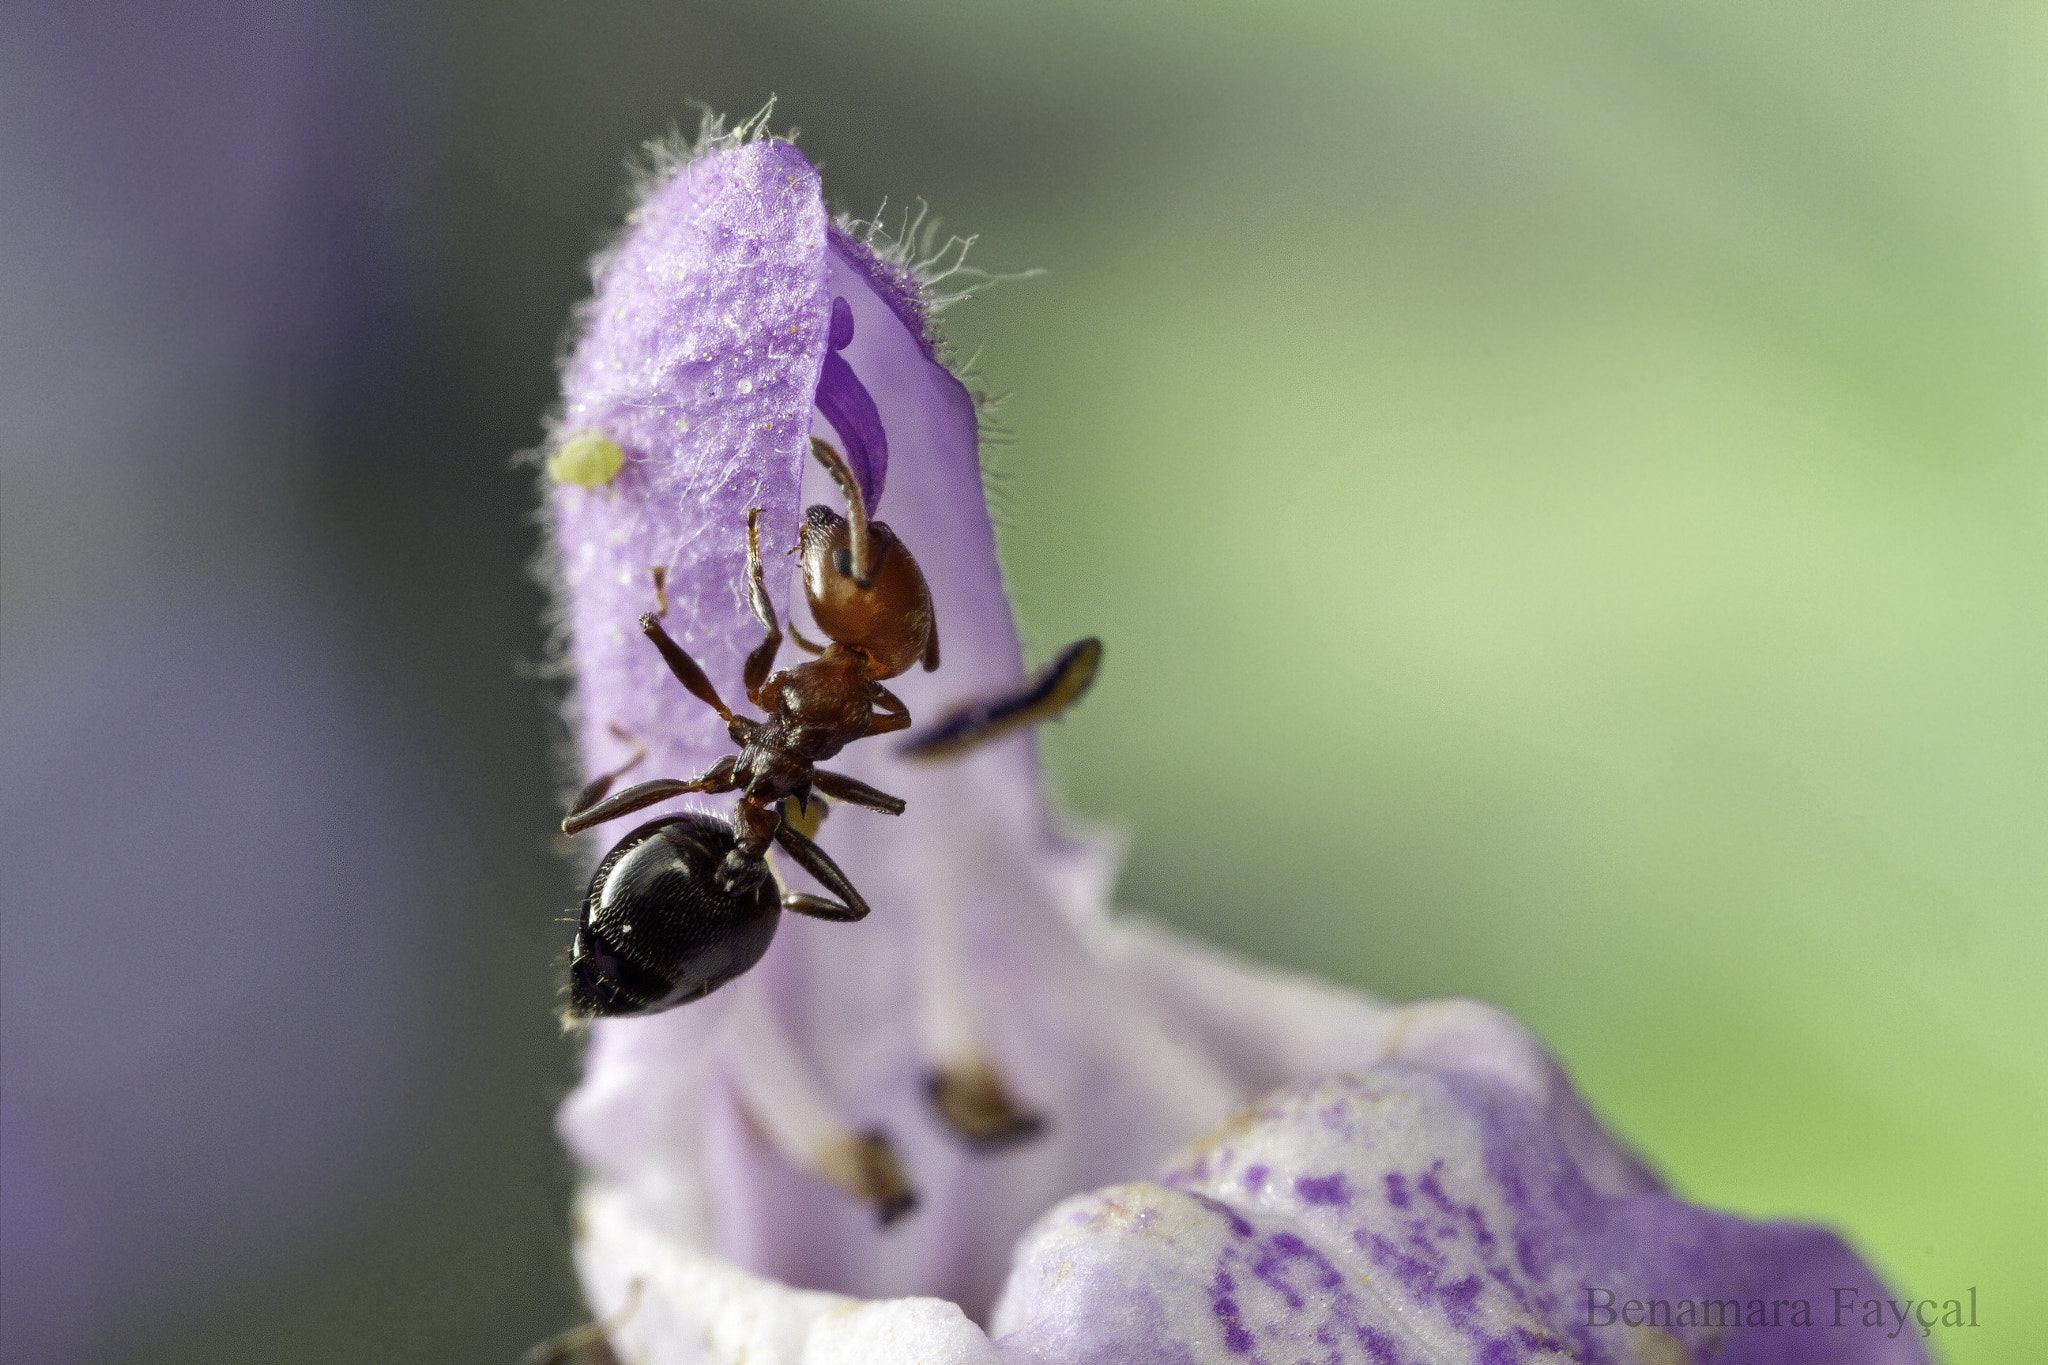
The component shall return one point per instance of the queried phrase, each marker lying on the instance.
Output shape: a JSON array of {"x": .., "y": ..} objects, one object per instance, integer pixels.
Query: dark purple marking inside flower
[
  {"x": 1482, "y": 1237},
  {"x": 1430, "y": 1185},
  {"x": 1480, "y": 1251},
  {"x": 1235, "y": 1338},
  {"x": 1238, "y": 1225},
  {"x": 1499, "y": 1351},
  {"x": 895, "y": 284},
  {"x": 839, "y": 333},
  {"x": 850, "y": 408},
  {"x": 1284, "y": 1253}
]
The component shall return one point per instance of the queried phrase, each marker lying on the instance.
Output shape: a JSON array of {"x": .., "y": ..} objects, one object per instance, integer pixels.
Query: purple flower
[{"x": 738, "y": 1148}]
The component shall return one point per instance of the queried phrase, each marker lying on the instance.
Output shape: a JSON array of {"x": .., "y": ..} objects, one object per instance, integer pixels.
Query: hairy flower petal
[{"x": 697, "y": 358}]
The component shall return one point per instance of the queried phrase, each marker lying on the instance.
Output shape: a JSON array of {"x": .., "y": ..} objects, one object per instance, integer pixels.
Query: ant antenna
[
  {"x": 602, "y": 783},
  {"x": 564, "y": 1348},
  {"x": 856, "y": 508}
]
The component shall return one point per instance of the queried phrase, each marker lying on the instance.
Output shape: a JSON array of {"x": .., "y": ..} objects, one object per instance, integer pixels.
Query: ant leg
[
  {"x": 763, "y": 657},
  {"x": 787, "y": 1105},
  {"x": 1052, "y": 690},
  {"x": 801, "y": 643},
  {"x": 717, "y": 778},
  {"x": 594, "y": 791},
  {"x": 856, "y": 509},
  {"x": 890, "y": 714},
  {"x": 855, "y": 792},
  {"x": 683, "y": 666},
  {"x": 819, "y": 864},
  {"x": 590, "y": 1343}
]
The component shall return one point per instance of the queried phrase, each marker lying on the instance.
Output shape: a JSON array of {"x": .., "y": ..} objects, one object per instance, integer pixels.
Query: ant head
[{"x": 889, "y": 619}]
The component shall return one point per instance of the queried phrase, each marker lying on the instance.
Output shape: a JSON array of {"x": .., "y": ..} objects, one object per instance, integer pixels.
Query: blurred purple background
[{"x": 262, "y": 982}]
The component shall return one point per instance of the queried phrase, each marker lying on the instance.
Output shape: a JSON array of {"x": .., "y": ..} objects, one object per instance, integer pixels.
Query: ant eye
[{"x": 842, "y": 561}]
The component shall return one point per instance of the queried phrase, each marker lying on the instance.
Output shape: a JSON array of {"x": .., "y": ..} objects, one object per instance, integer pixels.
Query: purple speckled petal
[{"x": 1413, "y": 1215}]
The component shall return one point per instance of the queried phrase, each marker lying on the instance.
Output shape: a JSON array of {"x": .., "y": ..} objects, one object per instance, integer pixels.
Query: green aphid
[{"x": 589, "y": 461}]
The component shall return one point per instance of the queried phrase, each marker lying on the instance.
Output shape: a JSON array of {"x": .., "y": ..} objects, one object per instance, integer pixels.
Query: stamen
[
  {"x": 787, "y": 1105},
  {"x": 846, "y": 403},
  {"x": 783, "y": 1097}
]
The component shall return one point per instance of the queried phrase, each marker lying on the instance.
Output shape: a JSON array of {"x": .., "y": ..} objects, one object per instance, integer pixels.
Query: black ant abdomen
[{"x": 657, "y": 928}]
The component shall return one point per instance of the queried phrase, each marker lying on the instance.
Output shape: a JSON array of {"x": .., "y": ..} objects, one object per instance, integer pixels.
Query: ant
[{"x": 686, "y": 903}]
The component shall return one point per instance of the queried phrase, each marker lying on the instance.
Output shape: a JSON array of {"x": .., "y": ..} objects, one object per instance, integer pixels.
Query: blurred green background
[{"x": 1564, "y": 488}]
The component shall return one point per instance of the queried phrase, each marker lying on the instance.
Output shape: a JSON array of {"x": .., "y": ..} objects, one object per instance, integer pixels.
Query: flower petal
[
  {"x": 1271, "y": 1028},
  {"x": 690, "y": 1306},
  {"x": 1405, "y": 1213}
]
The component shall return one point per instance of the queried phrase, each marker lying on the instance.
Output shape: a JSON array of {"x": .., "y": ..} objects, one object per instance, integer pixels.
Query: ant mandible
[{"x": 684, "y": 904}]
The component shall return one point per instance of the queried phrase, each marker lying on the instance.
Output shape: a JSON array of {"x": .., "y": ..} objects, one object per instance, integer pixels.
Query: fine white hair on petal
[{"x": 936, "y": 270}]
